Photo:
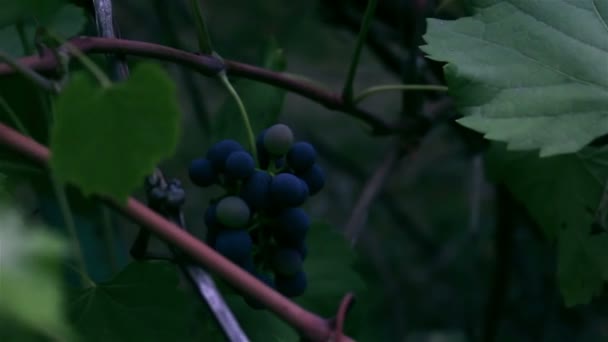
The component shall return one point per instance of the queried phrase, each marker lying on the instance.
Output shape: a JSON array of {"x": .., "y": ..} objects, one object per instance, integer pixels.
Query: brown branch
[
  {"x": 310, "y": 325},
  {"x": 209, "y": 66}
]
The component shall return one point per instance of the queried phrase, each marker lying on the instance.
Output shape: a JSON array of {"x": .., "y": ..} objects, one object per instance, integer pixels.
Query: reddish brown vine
[{"x": 209, "y": 65}]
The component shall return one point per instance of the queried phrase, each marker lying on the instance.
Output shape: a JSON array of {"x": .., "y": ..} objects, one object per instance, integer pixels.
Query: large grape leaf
[
  {"x": 106, "y": 140},
  {"x": 31, "y": 293},
  {"x": 263, "y": 101},
  {"x": 141, "y": 303},
  {"x": 529, "y": 73},
  {"x": 562, "y": 194}
]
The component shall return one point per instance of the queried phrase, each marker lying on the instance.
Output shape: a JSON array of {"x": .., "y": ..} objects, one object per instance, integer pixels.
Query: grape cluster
[{"x": 258, "y": 223}]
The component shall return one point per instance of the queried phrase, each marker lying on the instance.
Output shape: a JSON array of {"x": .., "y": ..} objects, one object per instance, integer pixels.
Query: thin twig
[
  {"x": 397, "y": 87},
  {"x": 210, "y": 66},
  {"x": 309, "y": 324},
  {"x": 16, "y": 66},
  {"x": 347, "y": 92},
  {"x": 386, "y": 199},
  {"x": 370, "y": 191},
  {"x": 503, "y": 242}
]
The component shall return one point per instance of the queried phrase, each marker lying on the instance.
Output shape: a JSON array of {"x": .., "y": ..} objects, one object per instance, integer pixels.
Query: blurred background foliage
[{"x": 446, "y": 255}]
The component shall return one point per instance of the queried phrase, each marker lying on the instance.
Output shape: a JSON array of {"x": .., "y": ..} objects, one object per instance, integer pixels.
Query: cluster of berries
[{"x": 258, "y": 222}]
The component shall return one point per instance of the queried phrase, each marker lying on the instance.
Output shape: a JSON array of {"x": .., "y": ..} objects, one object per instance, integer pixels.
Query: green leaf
[
  {"x": 330, "y": 270},
  {"x": 262, "y": 101},
  {"x": 106, "y": 140},
  {"x": 562, "y": 193},
  {"x": 15, "y": 10},
  {"x": 66, "y": 23},
  {"x": 32, "y": 294},
  {"x": 528, "y": 72},
  {"x": 141, "y": 303},
  {"x": 259, "y": 325}
]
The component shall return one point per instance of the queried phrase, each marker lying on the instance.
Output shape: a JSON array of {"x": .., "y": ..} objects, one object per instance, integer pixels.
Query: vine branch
[
  {"x": 209, "y": 65},
  {"x": 309, "y": 324}
]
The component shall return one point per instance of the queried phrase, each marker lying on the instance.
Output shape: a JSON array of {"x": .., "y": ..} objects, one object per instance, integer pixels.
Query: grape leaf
[
  {"x": 562, "y": 193},
  {"x": 15, "y": 10},
  {"x": 106, "y": 140},
  {"x": 330, "y": 270},
  {"x": 258, "y": 325},
  {"x": 141, "y": 303},
  {"x": 66, "y": 23},
  {"x": 262, "y": 101},
  {"x": 30, "y": 279},
  {"x": 528, "y": 73}
]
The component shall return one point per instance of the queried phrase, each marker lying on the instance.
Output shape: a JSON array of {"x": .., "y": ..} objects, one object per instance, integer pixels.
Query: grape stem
[
  {"x": 397, "y": 87},
  {"x": 68, "y": 219},
  {"x": 347, "y": 92},
  {"x": 244, "y": 116},
  {"x": 204, "y": 41},
  {"x": 13, "y": 116},
  {"x": 28, "y": 73},
  {"x": 88, "y": 63}
]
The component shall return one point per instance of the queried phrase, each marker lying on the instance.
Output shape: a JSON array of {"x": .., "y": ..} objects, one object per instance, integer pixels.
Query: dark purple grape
[
  {"x": 239, "y": 165},
  {"x": 292, "y": 286},
  {"x": 301, "y": 156},
  {"x": 235, "y": 245},
  {"x": 233, "y": 212},
  {"x": 256, "y": 190},
  {"x": 286, "y": 261},
  {"x": 219, "y": 152},
  {"x": 202, "y": 173},
  {"x": 287, "y": 190},
  {"x": 302, "y": 248},
  {"x": 314, "y": 178},
  {"x": 278, "y": 139},
  {"x": 291, "y": 226}
]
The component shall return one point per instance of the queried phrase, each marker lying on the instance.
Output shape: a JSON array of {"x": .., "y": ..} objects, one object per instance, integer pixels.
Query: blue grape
[
  {"x": 240, "y": 164},
  {"x": 278, "y": 139},
  {"x": 256, "y": 190},
  {"x": 235, "y": 245},
  {"x": 202, "y": 173},
  {"x": 219, "y": 152},
  {"x": 232, "y": 212},
  {"x": 302, "y": 248},
  {"x": 291, "y": 226},
  {"x": 286, "y": 261},
  {"x": 292, "y": 286},
  {"x": 287, "y": 190},
  {"x": 301, "y": 156},
  {"x": 314, "y": 178}
]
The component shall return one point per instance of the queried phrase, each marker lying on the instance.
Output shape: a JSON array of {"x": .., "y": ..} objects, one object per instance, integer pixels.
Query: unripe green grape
[
  {"x": 278, "y": 139},
  {"x": 232, "y": 212}
]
